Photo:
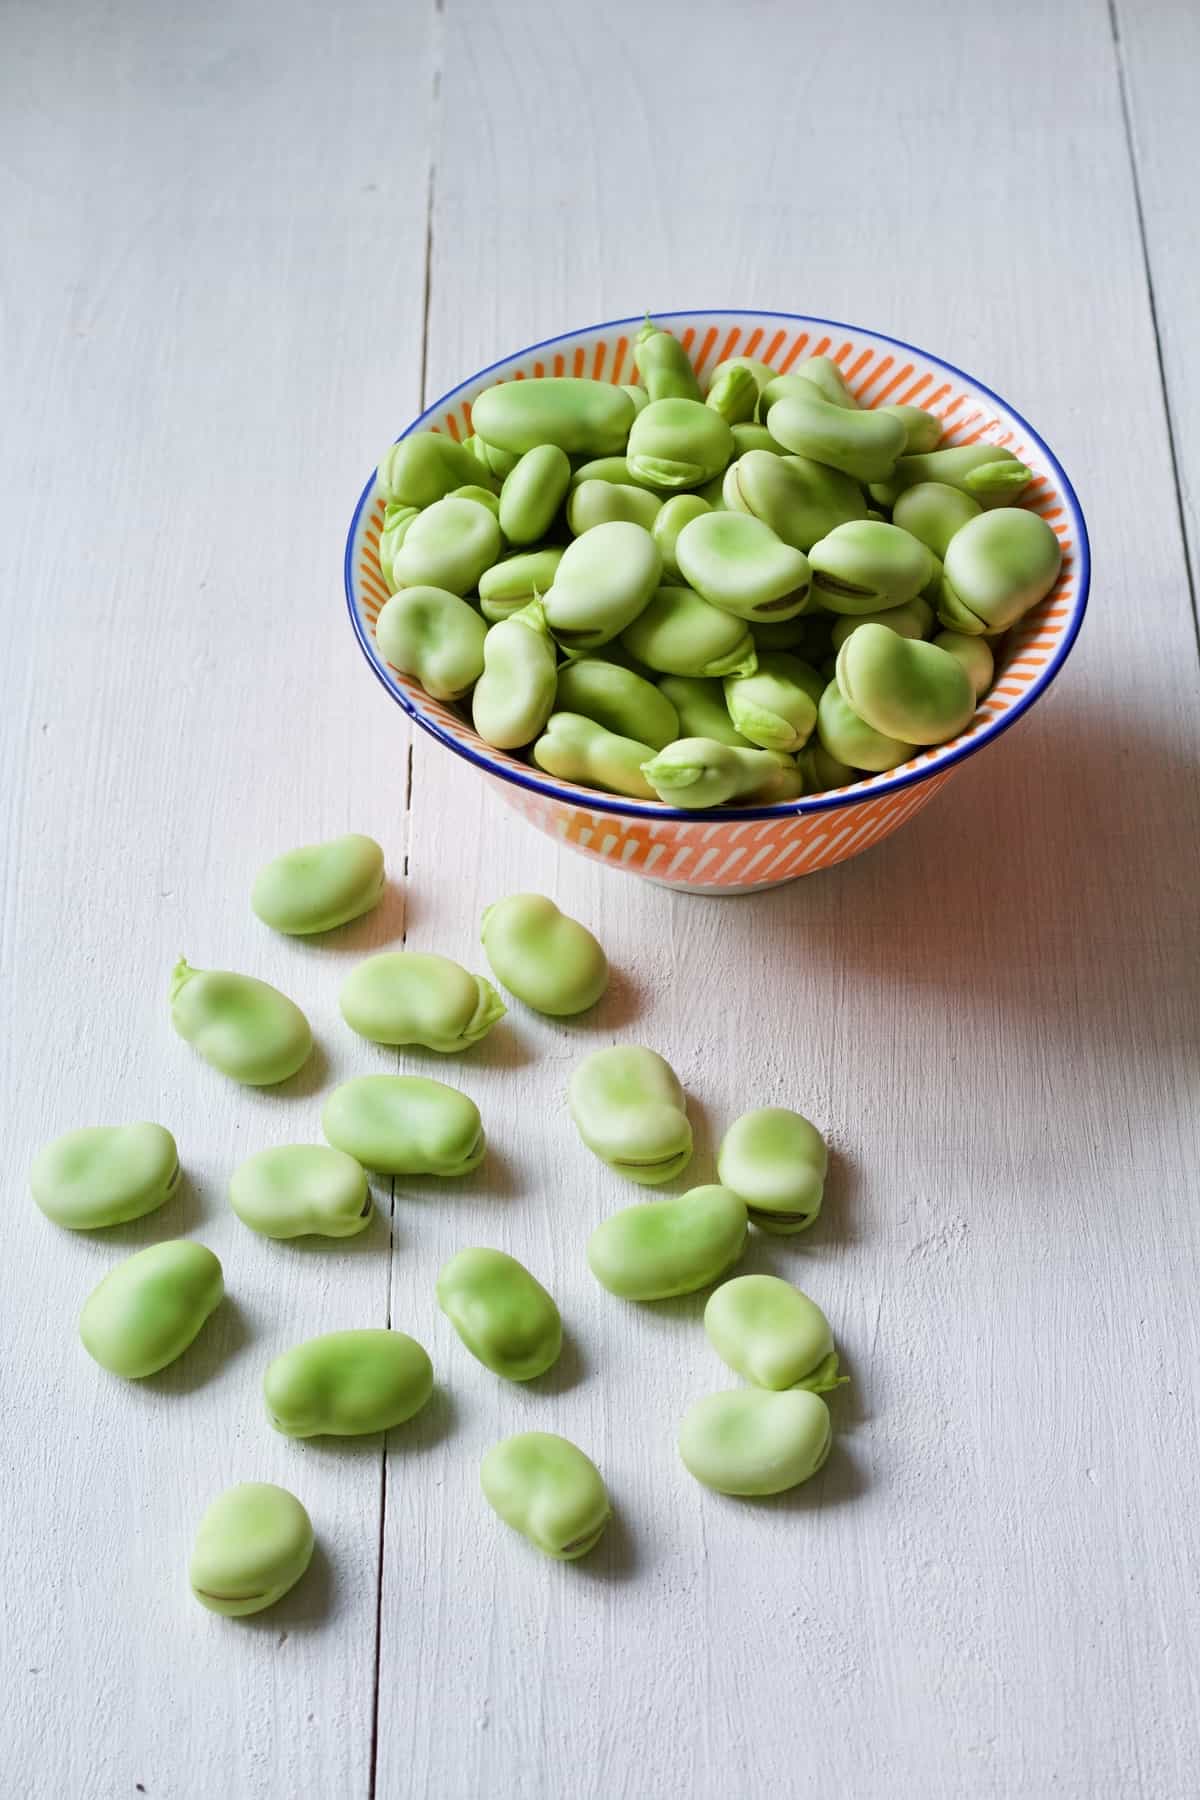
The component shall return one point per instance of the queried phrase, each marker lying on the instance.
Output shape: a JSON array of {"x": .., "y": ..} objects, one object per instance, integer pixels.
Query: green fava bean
[
  {"x": 584, "y": 418},
  {"x": 678, "y": 633},
  {"x": 347, "y": 1383},
  {"x": 700, "y": 705},
  {"x": 449, "y": 546},
  {"x": 433, "y": 634},
  {"x": 243, "y": 1027},
  {"x": 548, "y": 960},
  {"x": 396, "y": 521},
  {"x": 799, "y": 499},
  {"x": 776, "y": 1160},
  {"x": 997, "y": 567},
  {"x": 514, "y": 581},
  {"x": 668, "y": 1247},
  {"x": 820, "y": 373},
  {"x": 751, "y": 1443},
  {"x": 410, "y": 997},
  {"x": 405, "y": 1125},
  {"x": 609, "y": 468},
  {"x": 498, "y": 463},
  {"x": 301, "y": 1190},
  {"x": 749, "y": 436},
  {"x": 776, "y": 707},
  {"x": 820, "y": 771},
  {"x": 663, "y": 365},
  {"x": 922, "y": 431},
  {"x": 986, "y": 472},
  {"x": 849, "y": 739},
  {"x": 670, "y": 520},
  {"x": 149, "y": 1308},
  {"x": 975, "y": 655},
  {"x": 425, "y": 467},
  {"x": 737, "y": 563},
  {"x": 514, "y": 696},
  {"x": 595, "y": 503},
  {"x": 482, "y": 497},
  {"x": 733, "y": 392},
  {"x": 629, "y": 1109},
  {"x": 862, "y": 444},
  {"x": 253, "y": 1544},
  {"x": 679, "y": 444},
  {"x": 700, "y": 772},
  {"x": 503, "y": 1315},
  {"x": 533, "y": 492},
  {"x": 105, "y": 1175},
  {"x": 761, "y": 371},
  {"x": 912, "y": 620},
  {"x": 319, "y": 886},
  {"x": 933, "y": 511},
  {"x": 577, "y": 749},
  {"x": 605, "y": 579},
  {"x": 548, "y": 1490},
  {"x": 637, "y": 394},
  {"x": 904, "y": 688},
  {"x": 772, "y": 1335},
  {"x": 868, "y": 566},
  {"x": 618, "y": 699}
]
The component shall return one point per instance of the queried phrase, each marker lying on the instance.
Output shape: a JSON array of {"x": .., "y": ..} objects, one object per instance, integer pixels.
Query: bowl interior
[{"x": 879, "y": 370}]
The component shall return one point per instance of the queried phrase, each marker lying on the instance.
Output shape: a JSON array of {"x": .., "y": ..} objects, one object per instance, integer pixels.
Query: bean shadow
[
  {"x": 432, "y": 1426},
  {"x": 373, "y": 1241},
  {"x": 221, "y": 1338},
  {"x": 176, "y": 1218},
  {"x": 840, "y": 1482},
  {"x": 621, "y": 1004},
  {"x": 495, "y": 1178},
  {"x": 307, "y": 1606},
  {"x": 567, "y": 1371},
  {"x": 384, "y": 926},
  {"x": 306, "y": 1081},
  {"x": 615, "y": 1558}
]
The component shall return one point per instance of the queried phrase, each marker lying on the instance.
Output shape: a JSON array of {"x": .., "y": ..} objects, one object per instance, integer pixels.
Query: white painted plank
[
  {"x": 214, "y": 231},
  {"x": 993, "y": 1016}
]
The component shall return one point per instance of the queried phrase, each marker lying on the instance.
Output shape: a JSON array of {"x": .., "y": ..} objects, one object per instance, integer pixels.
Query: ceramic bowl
[{"x": 732, "y": 850}]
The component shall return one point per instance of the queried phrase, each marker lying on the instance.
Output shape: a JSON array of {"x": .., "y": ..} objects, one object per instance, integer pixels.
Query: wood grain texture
[{"x": 213, "y": 288}]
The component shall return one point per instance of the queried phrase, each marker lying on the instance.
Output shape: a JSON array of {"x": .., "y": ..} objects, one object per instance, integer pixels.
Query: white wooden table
[{"x": 241, "y": 243}]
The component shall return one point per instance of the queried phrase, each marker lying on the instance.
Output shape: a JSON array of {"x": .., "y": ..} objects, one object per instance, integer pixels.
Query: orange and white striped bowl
[{"x": 741, "y": 849}]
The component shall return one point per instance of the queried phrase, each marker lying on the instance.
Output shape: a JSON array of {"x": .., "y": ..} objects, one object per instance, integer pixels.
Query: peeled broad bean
[
  {"x": 426, "y": 466},
  {"x": 577, "y": 749},
  {"x": 776, "y": 706},
  {"x": 347, "y": 1383},
  {"x": 514, "y": 696},
  {"x": 514, "y": 581},
  {"x": 700, "y": 772},
  {"x": 997, "y": 567},
  {"x": 862, "y": 444},
  {"x": 749, "y": 436},
  {"x": 678, "y": 633},
  {"x": 497, "y": 462},
  {"x": 532, "y": 493},
  {"x": 584, "y": 418},
  {"x": 149, "y": 1308},
  {"x": 733, "y": 392},
  {"x": 762, "y": 373},
  {"x": 396, "y": 520},
  {"x": 503, "y": 1315},
  {"x": 799, "y": 499},
  {"x": 252, "y": 1546},
  {"x": 618, "y": 699},
  {"x": 975, "y": 655},
  {"x": 772, "y": 1335},
  {"x": 987, "y": 472},
  {"x": 595, "y": 503},
  {"x": 412, "y": 997},
  {"x": 776, "y": 1160},
  {"x": 700, "y": 705},
  {"x": 922, "y": 431},
  {"x": 405, "y": 1125},
  {"x": 605, "y": 579},
  {"x": 666, "y": 1247},
  {"x": 750, "y": 1442},
  {"x": 548, "y": 960},
  {"x": 679, "y": 444},
  {"x": 663, "y": 365},
  {"x": 105, "y": 1175},
  {"x": 637, "y": 394},
  {"x": 433, "y": 634},
  {"x": 448, "y": 546},
  {"x": 319, "y": 886},
  {"x": 629, "y": 1109},
  {"x": 904, "y": 688},
  {"x": 849, "y": 739},
  {"x": 736, "y": 562},
  {"x": 243, "y": 1027},
  {"x": 301, "y": 1190},
  {"x": 912, "y": 620},
  {"x": 483, "y": 497},
  {"x": 820, "y": 771},
  {"x": 868, "y": 565},
  {"x": 548, "y": 1490},
  {"x": 670, "y": 520},
  {"x": 609, "y": 468},
  {"x": 933, "y": 511}
]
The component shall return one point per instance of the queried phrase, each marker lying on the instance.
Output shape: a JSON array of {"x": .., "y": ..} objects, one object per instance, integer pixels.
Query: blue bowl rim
[{"x": 809, "y": 804}]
